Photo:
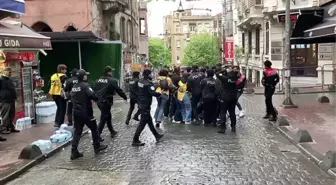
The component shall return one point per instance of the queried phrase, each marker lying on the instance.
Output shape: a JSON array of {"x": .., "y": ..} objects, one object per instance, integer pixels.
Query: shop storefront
[{"x": 20, "y": 48}]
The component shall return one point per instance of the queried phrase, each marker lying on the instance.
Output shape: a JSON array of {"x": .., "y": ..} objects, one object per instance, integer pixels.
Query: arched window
[{"x": 41, "y": 27}]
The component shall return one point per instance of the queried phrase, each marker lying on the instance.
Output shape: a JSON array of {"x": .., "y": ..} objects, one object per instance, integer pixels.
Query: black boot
[
  {"x": 273, "y": 118},
  {"x": 2, "y": 139},
  {"x": 158, "y": 137},
  {"x": 138, "y": 143},
  {"x": 157, "y": 124},
  {"x": 127, "y": 122},
  {"x": 100, "y": 148},
  {"x": 113, "y": 133},
  {"x": 233, "y": 129},
  {"x": 267, "y": 116},
  {"x": 76, "y": 155}
]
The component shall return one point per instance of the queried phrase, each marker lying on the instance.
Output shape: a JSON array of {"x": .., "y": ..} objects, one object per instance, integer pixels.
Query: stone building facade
[{"x": 107, "y": 19}]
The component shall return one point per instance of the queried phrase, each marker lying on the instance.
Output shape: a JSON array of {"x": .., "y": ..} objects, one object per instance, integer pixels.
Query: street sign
[{"x": 229, "y": 49}]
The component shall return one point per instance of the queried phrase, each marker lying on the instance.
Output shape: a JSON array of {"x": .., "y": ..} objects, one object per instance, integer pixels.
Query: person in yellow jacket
[
  {"x": 57, "y": 82},
  {"x": 164, "y": 83},
  {"x": 183, "y": 97}
]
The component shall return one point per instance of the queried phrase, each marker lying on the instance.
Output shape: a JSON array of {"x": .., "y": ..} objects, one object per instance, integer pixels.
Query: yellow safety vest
[
  {"x": 55, "y": 84},
  {"x": 182, "y": 90}
]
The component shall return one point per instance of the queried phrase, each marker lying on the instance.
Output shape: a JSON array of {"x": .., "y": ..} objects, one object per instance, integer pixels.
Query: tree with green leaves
[
  {"x": 202, "y": 50},
  {"x": 159, "y": 54}
]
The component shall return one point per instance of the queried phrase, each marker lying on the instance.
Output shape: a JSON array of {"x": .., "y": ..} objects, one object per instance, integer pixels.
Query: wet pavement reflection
[{"x": 187, "y": 155}]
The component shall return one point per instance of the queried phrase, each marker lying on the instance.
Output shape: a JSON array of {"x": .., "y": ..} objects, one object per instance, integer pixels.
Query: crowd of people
[{"x": 189, "y": 96}]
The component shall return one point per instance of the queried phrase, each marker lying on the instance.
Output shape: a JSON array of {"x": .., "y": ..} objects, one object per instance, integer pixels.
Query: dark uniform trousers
[
  {"x": 194, "y": 103},
  {"x": 228, "y": 105},
  {"x": 69, "y": 113},
  {"x": 269, "y": 91},
  {"x": 105, "y": 116},
  {"x": 209, "y": 111},
  {"x": 145, "y": 119},
  {"x": 7, "y": 113},
  {"x": 79, "y": 121},
  {"x": 133, "y": 101}
]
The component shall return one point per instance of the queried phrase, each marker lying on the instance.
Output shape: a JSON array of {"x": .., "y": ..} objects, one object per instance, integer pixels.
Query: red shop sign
[
  {"x": 229, "y": 49},
  {"x": 293, "y": 17}
]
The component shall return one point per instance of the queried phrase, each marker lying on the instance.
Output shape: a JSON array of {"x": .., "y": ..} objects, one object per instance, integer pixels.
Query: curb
[
  {"x": 282, "y": 93},
  {"x": 16, "y": 173},
  {"x": 306, "y": 148}
]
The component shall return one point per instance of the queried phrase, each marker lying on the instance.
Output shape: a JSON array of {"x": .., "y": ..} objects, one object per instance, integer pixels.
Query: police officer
[
  {"x": 228, "y": 97},
  {"x": 146, "y": 92},
  {"x": 209, "y": 99},
  {"x": 69, "y": 83},
  {"x": 105, "y": 87},
  {"x": 193, "y": 86},
  {"x": 134, "y": 93},
  {"x": 81, "y": 97},
  {"x": 269, "y": 81}
]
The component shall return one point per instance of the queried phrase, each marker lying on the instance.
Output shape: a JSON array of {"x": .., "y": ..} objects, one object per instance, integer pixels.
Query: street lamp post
[{"x": 287, "y": 103}]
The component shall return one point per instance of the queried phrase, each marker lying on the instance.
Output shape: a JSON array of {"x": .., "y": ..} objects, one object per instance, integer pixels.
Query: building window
[
  {"x": 267, "y": 38},
  {"x": 166, "y": 20},
  {"x": 243, "y": 43},
  {"x": 142, "y": 26},
  {"x": 192, "y": 28},
  {"x": 177, "y": 58},
  {"x": 207, "y": 27},
  {"x": 249, "y": 42},
  {"x": 185, "y": 28},
  {"x": 178, "y": 29},
  {"x": 178, "y": 44},
  {"x": 257, "y": 41},
  {"x": 235, "y": 27},
  {"x": 257, "y": 2}
]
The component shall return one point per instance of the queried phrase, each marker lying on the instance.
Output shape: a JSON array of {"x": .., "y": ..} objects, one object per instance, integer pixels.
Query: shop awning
[
  {"x": 71, "y": 36},
  {"x": 13, "y": 6},
  {"x": 16, "y": 35},
  {"x": 326, "y": 29},
  {"x": 306, "y": 19}
]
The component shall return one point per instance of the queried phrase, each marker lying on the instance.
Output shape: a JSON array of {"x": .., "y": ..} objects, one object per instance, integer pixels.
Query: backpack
[{"x": 163, "y": 84}]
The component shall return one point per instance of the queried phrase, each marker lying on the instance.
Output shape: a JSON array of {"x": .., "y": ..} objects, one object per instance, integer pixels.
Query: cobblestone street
[{"x": 187, "y": 155}]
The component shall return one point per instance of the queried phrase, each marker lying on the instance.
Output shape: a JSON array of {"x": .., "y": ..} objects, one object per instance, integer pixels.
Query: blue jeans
[
  {"x": 186, "y": 107},
  {"x": 162, "y": 100}
]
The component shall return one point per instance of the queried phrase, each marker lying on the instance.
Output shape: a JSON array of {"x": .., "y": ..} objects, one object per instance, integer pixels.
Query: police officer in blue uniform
[
  {"x": 134, "y": 93},
  {"x": 146, "y": 93},
  {"x": 106, "y": 87},
  {"x": 81, "y": 97}
]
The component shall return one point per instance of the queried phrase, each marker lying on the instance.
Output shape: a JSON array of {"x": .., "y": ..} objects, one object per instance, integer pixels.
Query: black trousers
[
  {"x": 61, "y": 109},
  {"x": 228, "y": 105},
  {"x": 69, "y": 113},
  {"x": 7, "y": 113},
  {"x": 105, "y": 116},
  {"x": 209, "y": 111},
  {"x": 172, "y": 108},
  {"x": 145, "y": 119},
  {"x": 269, "y": 91},
  {"x": 194, "y": 102},
  {"x": 79, "y": 122},
  {"x": 133, "y": 101},
  {"x": 166, "y": 111}
]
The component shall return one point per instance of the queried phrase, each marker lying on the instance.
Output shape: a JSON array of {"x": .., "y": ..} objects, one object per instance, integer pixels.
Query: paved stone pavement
[
  {"x": 188, "y": 155},
  {"x": 318, "y": 119}
]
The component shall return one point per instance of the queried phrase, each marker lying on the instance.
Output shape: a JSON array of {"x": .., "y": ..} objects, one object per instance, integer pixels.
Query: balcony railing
[{"x": 115, "y": 5}]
